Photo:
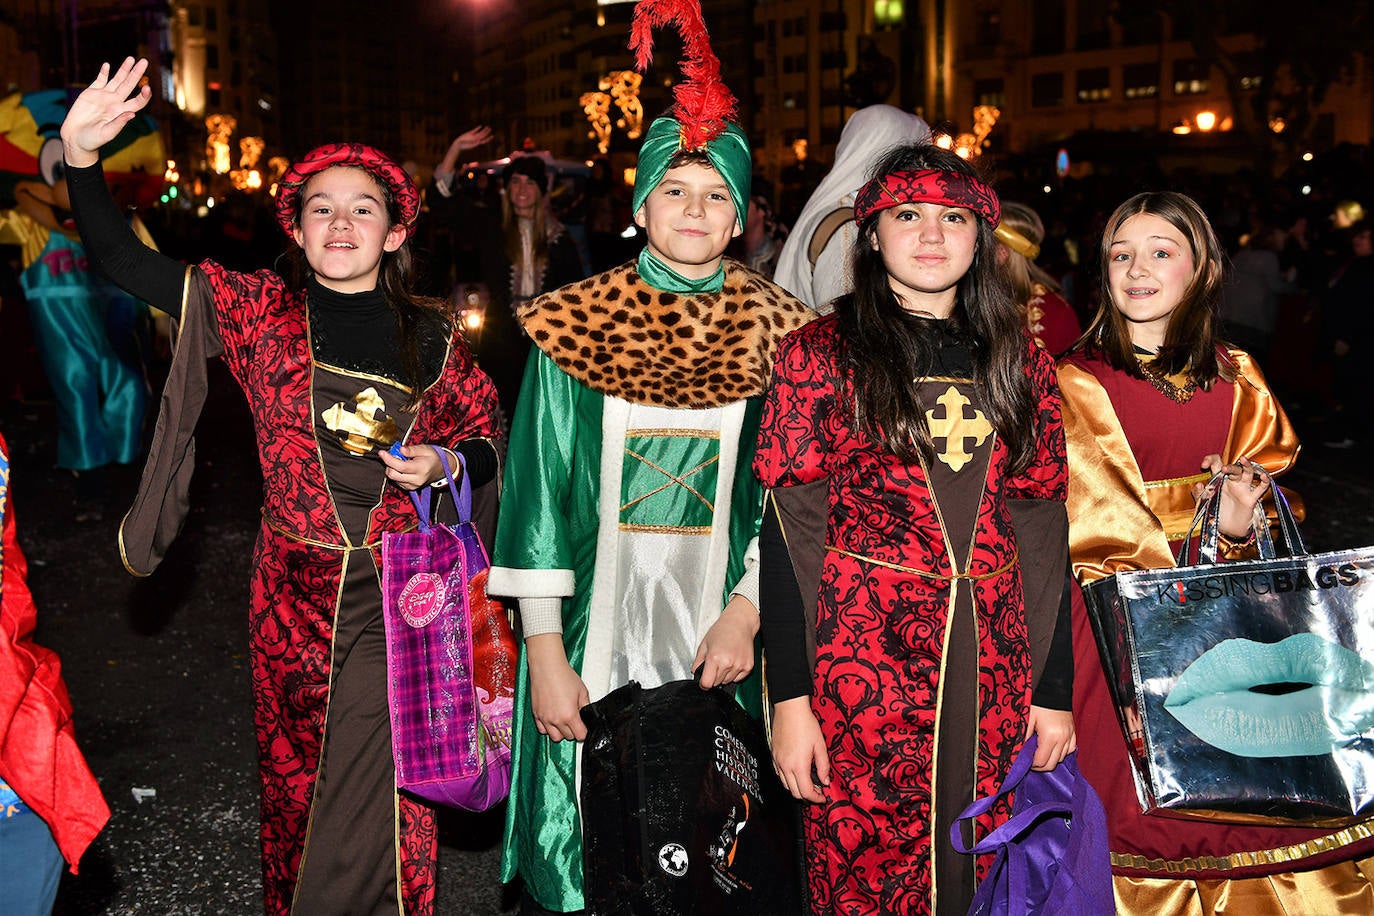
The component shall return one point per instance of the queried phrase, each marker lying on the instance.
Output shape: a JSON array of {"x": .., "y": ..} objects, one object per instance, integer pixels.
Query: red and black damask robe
[
  {"x": 317, "y": 645},
  {"x": 922, "y": 678}
]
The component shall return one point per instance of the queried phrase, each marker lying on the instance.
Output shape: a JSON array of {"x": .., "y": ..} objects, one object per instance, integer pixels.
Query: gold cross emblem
[
  {"x": 955, "y": 428},
  {"x": 362, "y": 424}
]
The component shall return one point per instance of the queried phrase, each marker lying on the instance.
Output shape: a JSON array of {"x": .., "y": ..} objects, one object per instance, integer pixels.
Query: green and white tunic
[{"x": 643, "y": 518}]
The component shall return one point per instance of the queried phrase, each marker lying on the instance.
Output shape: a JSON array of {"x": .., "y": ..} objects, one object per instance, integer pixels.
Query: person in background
[
  {"x": 1050, "y": 319},
  {"x": 1249, "y": 306},
  {"x": 1154, "y": 405},
  {"x": 50, "y": 803},
  {"x": 761, "y": 243},
  {"x": 338, "y": 363},
  {"x": 814, "y": 263},
  {"x": 1346, "y": 343},
  {"x": 522, "y": 251}
]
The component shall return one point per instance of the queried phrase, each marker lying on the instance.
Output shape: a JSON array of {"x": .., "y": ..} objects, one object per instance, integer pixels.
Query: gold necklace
[{"x": 1165, "y": 385}]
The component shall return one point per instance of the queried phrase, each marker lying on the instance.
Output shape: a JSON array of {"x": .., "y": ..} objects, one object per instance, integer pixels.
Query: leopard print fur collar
[{"x": 621, "y": 337}]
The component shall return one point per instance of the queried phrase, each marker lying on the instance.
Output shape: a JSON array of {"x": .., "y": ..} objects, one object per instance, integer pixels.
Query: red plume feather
[{"x": 703, "y": 102}]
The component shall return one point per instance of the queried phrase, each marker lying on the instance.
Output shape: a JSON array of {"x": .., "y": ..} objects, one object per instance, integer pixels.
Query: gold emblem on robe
[
  {"x": 956, "y": 429},
  {"x": 362, "y": 424}
]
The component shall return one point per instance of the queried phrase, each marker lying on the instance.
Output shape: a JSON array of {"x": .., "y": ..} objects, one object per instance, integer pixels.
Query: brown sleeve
[
  {"x": 1042, "y": 542},
  {"x": 160, "y": 507}
]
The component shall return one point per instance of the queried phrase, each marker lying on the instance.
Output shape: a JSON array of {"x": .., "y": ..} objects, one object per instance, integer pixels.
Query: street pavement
[{"x": 158, "y": 671}]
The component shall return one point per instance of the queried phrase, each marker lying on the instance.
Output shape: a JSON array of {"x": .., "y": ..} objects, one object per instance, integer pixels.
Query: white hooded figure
[{"x": 868, "y": 134}]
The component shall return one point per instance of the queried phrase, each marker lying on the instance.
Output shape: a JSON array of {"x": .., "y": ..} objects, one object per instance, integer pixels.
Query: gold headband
[{"x": 1016, "y": 241}]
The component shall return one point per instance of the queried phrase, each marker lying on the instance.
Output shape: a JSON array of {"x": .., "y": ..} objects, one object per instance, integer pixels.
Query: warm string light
[
  {"x": 597, "y": 107},
  {"x": 218, "y": 129}
]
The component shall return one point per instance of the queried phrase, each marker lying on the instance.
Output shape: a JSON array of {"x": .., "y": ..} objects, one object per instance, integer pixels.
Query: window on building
[
  {"x": 1047, "y": 90},
  {"x": 1140, "y": 81},
  {"x": 1048, "y": 21},
  {"x": 1250, "y": 69},
  {"x": 211, "y": 56},
  {"x": 1142, "y": 29},
  {"x": 990, "y": 92},
  {"x": 1191, "y": 76},
  {"x": 212, "y": 97},
  {"x": 211, "y": 19},
  {"x": 987, "y": 27},
  {"x": 193, "y": 16},
  {"x": 1093, "y": 31},
  {"x": 1094, "y": 85},
  {"x": 888, "y": 14}
]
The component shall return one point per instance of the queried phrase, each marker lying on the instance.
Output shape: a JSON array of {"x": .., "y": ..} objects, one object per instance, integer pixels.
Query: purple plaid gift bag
[{"x": 450, "y": 658}]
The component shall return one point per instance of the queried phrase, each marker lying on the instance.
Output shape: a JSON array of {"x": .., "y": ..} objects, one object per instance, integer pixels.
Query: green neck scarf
[{"x": 660, "y": 276}]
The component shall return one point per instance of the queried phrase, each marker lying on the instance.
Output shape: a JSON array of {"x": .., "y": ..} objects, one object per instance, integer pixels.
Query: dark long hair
[
  {"x": 1190, "y": 341},
  {"x": 417, "y": 317},
  {"x": 885, "y": 347}
]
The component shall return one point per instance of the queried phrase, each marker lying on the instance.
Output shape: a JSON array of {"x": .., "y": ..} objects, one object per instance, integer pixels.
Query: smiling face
[
  {"x": 927, "y": 248},
  {"x": 689, "y": 218},
  {"x": 1150, "y": 270},
  {"x": 344, "y": 229},
  {"x": 523, "y": 193}
]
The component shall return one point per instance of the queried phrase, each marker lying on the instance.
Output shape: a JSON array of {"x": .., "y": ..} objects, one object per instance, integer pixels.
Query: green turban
[{"x": 728, "y": 153}]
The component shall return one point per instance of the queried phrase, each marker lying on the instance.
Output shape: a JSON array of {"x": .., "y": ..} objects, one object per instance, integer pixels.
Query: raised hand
[{"x": 102, "y": 109}]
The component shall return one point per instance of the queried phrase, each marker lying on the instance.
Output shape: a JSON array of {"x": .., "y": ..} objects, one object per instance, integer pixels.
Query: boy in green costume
[{"x": 630, "y": 516}]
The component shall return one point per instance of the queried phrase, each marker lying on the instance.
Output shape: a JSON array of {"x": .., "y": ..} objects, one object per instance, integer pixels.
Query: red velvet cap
[{"x": 357, "y": 155}]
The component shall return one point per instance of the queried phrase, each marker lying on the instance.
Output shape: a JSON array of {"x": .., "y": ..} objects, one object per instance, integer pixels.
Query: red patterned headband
[
  {"x": 935, "y": 186},
  {"x": 356, "y": 155}
]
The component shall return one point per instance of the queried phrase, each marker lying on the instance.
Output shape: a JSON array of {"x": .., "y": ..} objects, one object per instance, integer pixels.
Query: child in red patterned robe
[
  {"x": 336, "y": 368},
  {"x": 926, "y": 412}
]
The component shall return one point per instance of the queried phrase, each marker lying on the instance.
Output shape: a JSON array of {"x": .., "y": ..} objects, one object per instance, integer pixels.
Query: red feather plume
[{"x": 703, "y": 102}]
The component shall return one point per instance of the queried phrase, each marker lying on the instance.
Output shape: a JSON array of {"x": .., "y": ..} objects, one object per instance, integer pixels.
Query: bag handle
[
  {"x": 462, "y": 494},
  {"x": 1206, "y": 522},
  {"x": 1020, "y": 766}
]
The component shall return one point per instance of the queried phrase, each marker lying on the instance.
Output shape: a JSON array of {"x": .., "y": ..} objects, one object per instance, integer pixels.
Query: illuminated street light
[{"x": 1205, "y": 120}]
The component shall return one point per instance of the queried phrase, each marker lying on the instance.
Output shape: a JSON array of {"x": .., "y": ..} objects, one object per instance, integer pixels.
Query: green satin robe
[{"x": 549, "y": 527}]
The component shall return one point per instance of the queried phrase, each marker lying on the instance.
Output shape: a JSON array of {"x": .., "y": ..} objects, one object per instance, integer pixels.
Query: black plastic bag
[{"x": 682, "y": 813}]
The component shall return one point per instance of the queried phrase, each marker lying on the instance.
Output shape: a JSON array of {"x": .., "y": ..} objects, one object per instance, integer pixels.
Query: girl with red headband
[
  {"x": 923, "y": 424},
  {"x": 338, "y": 363}
]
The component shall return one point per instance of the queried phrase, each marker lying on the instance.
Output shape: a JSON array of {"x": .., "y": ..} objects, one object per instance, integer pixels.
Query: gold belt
[
  {"x": 925, "y": 573},
  {"x": 342, "y": 548}
]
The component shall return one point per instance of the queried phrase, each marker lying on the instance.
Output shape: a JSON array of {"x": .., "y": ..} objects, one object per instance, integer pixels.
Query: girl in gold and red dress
[
  {"x": 1153, "y": 405},
  {"x": 924, "y": 412}
]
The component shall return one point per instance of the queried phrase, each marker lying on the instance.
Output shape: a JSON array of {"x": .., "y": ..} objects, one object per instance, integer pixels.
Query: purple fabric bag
[
  {"x": 450, "y": 659},
  {"x": 1052, "y": 854}
]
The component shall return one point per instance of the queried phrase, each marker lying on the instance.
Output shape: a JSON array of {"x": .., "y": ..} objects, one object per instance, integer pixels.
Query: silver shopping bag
[{"x": 1245, "y": 689}]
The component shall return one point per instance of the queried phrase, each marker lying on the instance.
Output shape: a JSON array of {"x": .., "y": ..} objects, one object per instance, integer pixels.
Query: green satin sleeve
[
  {"x": 533, "y": 533},
  {"x": 746, "y": 518}
]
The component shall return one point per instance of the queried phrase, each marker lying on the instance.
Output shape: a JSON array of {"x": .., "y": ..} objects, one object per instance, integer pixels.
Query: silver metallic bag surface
[{"x": 1245, "y": 689}]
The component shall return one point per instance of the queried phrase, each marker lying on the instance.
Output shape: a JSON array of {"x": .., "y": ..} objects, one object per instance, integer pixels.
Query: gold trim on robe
[{"x": 1108, "y": 534}]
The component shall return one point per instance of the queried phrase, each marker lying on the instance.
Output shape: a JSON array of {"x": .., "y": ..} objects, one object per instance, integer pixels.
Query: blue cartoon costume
[{"x": 87, "y": 331}]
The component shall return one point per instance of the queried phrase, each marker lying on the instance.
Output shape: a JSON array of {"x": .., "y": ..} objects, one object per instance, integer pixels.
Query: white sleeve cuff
[
  {"x": 748, "y": 584},
  {"x": 443, "y": 183},
  {"x": 530, "y": 583},
  {"x": 541, "y": 615}
]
